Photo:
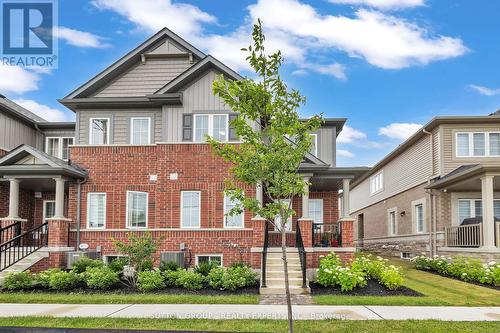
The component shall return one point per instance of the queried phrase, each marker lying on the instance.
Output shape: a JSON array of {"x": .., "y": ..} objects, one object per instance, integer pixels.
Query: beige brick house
[{"x": 436, "y": 193}]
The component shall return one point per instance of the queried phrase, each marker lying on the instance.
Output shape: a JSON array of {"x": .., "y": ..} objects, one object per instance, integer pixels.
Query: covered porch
[{"x": 474, "y": 204}]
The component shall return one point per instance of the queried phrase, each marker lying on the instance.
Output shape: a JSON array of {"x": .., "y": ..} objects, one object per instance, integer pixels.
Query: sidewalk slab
[{"x": 446, "y": 313}]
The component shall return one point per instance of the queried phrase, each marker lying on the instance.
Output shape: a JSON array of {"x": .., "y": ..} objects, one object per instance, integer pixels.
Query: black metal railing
[
  {"x": 10, "y": 231},
  {"x": 326, "y": 235},
  {"x": 23, "y": 245},
  {"x": 302, "y": 254},
  {"x": 264, "y": 254}
]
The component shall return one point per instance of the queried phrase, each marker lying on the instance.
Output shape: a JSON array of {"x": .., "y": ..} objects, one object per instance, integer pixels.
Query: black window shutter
[
  {"x": 232, "y": 132},
  {"x": 187, "y": 127}
]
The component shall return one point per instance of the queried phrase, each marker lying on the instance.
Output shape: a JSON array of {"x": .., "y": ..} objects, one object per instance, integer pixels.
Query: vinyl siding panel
[
  {"x": 120, "y": 124},
  {"x": 327, "y": 145},
  {"x": 436, "y": 151},
  {"x": 144, "y": 79},
  {"x": 411, "y": 168},
  {"x": 449, "y": 159},
  {"x": 14, "y": 133}
]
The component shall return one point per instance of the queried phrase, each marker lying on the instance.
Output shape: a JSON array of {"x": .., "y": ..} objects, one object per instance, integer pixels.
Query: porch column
[
  {"x": 488, "y": 212},
  {"x": 305, "y": 199},
  {"x": 259, "y": 194},
  {"x": 59, "y": 209},
  {"x": 345, "y": 198},
  {"x": 14, "y": 199}
]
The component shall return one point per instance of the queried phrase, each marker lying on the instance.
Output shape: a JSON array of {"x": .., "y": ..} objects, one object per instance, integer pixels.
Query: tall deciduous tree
[{"x": 274, "y": 141}]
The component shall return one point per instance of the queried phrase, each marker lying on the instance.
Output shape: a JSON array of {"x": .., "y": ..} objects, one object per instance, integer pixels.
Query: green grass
[
  {"x": 438, "y": 290},
  {"x": 320, "y": 326},
  {"x": 121, "y": 298}
]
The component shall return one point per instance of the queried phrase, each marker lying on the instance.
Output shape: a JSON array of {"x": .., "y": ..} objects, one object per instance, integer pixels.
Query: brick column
[
  {"x": 57, "y": 243},
  {"x": 347, "y": 229},
  {"x": 258, "y": 225},
  {"x": 305, "y": 225}
]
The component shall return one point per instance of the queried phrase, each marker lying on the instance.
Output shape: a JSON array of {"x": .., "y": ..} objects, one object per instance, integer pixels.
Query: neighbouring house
[
  {"x": 135, "y": 160},
  {"x": 437, "y": 193}
]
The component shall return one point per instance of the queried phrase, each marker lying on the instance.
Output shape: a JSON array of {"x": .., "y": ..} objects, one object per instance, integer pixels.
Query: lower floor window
[
  {"x": 96, "y": 210},
  {"x": 137, "y": 209},
  {"x": 212, "y": 259},
  {"x": 419, "y": 217},
  {"x": 392, "y": 222},
  {"x": 49, "y": 210},
  {"x": 472, "y": 208}
]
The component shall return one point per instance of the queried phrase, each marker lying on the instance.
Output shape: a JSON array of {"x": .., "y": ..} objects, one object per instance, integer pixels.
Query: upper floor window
[
  {"x": 59, "y": 147},
  {"x": 214, "y": 125},
  {"x": 99, "y": 131},
  {"x": 377, "y": 182},
  {"x": 231, "y": 221},
  {"x": 314, "y": 146},
  {"x": 140, "y": 131},
  {"x": 477, "y": 144},
  {"x": 137, "y": 209}
]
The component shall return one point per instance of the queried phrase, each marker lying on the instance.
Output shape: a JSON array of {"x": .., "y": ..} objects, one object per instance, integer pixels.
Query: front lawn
[
  {"x": 123, "y": 298},
  {"x": 437, "y": 290},
  {"x": 320, "y": 326}
]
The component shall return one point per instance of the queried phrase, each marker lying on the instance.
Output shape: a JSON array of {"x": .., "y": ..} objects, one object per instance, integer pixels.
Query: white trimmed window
[
  {"x": 137, "y": 209},
  {"x": 215, "y": 259},
  {"x": 314, "y": 146},
  {"x": 140, "y": 130},
  {"x": 377, "y": 182},
  {"x": 49, "y": 209},
  {"x": 470, "y": 208},
  {"x": 214, "y": 125},
  {"x": 99, "y": 131},
  {"x": 232, "y": 221},
  {"x": 190, "y": 209},
  {"x": 477, "y": 144},
  {"x": 96, "y": 210},
  {"x": 316, "y": 210},
  {"x": 419, "y": 217},
  {"x": 58, "y": 147},
  {"x": 392, "y": 221}
]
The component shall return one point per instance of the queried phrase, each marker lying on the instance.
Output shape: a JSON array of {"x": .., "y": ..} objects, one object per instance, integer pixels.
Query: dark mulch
[
  {"x": 373, "y": 288},
  {"x": 83, "y": 330},
  {"x": 471, "y": 282}
]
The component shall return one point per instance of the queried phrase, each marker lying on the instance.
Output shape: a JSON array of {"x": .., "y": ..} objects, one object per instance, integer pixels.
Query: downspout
[
  {"x": 432, "y": 234},
  {"x": 78, "y": 210}
]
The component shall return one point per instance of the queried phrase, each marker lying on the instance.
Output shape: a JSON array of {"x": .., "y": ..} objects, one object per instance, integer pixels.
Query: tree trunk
[{"x": 287, "y": 284}]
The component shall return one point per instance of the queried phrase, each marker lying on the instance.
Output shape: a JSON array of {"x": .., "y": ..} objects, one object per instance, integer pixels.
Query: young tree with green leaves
[{"x": 274, "y": 141}]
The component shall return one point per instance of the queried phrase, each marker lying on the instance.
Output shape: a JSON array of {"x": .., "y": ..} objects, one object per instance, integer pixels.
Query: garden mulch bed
[
  {"x": 455, "y": 278},
  {"x": 373, "y": 288}
]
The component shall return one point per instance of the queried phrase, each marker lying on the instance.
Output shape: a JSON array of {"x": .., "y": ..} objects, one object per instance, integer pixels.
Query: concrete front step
[
  {"x": 280, "y": 283},
  {"x": 281, "y": 275},
  {"x": 279, "y": 267},
  {"x": 281, "y": 291},
  {"x": 23, "y": 264}
]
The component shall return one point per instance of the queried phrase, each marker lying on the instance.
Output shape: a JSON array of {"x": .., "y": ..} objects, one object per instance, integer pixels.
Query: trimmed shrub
[
  {"x": 81, "y": 265},
  {"x": 43, "y": 278},
  {"x": 100, "y": 277},
  {"x": 61, "y": 280},
  {"x": 18, "y": 281},
  {"x": 169, "y": 266},
  {"x": 204, "y": 268},
  {"x": 150, "y": 280},
  {"x": 215, "y": 277},
  {"x": 117, "y": 264},
  {"x": 238, "y": 277},
  {"x": 391, "y": 277},
  {"x": 184, "y": 279}
]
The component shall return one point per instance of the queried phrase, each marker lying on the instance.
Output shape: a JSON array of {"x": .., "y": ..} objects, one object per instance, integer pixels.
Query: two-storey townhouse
[
  {"x": 436, "y": 193},
  {"x": 139, "y": 164}
]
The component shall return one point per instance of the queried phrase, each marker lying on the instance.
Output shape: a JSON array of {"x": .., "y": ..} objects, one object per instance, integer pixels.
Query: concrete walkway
[{"x": 234, "y": 311}]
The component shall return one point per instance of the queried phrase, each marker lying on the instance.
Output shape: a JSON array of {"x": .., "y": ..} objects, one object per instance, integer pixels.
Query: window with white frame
[
  {"x": 314, "y": 145},
  {"x": 99, "y": 131},
  {"x": 214, "y": 125},
  {"x": 58, "y": 147},
  {"x": 96, "y": 210},
  {"x": 377, "y": 182},
  {"x": 419, "y": 217},
  {"x": 470, "y": 208},
  {"x": 140, "y": 130},
  {"x": 137, "y": 209},
  {"x": 477, "y": 144},
  {"x": 49, "y": 209},
  {"x": 214, "y": 259},
  {"x": 190, "y": 209},
  {"x": 231, "y": 221},
  {"x": 392, "y": 221},
  {"x": 316, "y": 210}
]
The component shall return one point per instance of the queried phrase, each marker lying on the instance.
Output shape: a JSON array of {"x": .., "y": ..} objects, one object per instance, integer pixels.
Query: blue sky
[{"x": 386, "y": 65}]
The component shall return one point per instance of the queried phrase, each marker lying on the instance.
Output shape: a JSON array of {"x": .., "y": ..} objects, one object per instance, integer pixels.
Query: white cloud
[
  {"x": 382, "y": 40},
  {"x": 382, "y": 4},
  {"x": 14, "y": 79},
  {"x": 485, "y": 90},
  {"x": 336, "y": 70},
  {"x": 44, "y": 111},
  {"x": 350, "y": 135},
  {"x": 400, "y": 131},
  {"x": 184, "y": 19},
  {"x": 80, "y": 38},
  {"x": 344, "y": 153}
]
